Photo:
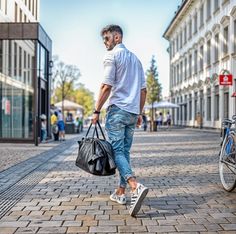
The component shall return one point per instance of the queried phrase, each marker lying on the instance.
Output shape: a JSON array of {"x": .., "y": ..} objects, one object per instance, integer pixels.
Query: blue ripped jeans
[{"x": 120, "y": 127}]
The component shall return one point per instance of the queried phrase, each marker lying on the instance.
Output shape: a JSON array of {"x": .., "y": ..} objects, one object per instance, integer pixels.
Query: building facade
[
  {"x": 202, "y": 46},
  {"x": 25, "y": 54}
]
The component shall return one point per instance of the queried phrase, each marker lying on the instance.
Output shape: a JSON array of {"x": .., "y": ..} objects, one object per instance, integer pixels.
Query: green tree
[
  {"x": 84, "y": 97},
  {"x": 154, "y": 88}
]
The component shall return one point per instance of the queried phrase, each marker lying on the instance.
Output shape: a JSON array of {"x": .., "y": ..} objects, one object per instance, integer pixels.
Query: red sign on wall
[{"x": 226, "y": 79}]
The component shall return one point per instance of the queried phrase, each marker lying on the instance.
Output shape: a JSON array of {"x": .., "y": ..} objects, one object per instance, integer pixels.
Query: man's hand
[
  {"x": 95, "y": 118},
  {"x": 139, "y": 121}
]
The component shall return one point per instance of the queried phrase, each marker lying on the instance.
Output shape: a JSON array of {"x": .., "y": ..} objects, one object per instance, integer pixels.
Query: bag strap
[
  {"x": 95, "y": 130},
  {"x": 101, "y": 130}
]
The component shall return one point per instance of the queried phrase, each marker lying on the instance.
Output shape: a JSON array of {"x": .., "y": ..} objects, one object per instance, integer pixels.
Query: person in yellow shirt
[{"x": 54, "y": 126}]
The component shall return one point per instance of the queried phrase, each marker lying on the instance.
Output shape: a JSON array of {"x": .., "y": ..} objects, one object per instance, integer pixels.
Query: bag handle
[{"x": 95, "y": 130}]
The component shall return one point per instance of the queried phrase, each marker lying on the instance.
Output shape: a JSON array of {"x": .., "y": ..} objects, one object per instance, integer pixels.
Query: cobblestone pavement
[
  {"x": 12, "y": 154},
  {"x": 179, "y": 166}
]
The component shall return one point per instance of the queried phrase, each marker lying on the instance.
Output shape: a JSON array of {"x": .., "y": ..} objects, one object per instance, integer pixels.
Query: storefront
[{"x": 25, "y": 59}]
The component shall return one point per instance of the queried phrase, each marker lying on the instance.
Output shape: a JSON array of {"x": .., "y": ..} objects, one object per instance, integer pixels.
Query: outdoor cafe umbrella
[{"x": 162, "y": 105}]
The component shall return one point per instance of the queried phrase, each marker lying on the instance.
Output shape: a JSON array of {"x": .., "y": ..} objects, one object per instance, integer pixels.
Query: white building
[
  {"x": 25, "y": 54},
  {"x": 19, "y": 10},
  {"x": 202, "y": 38}
]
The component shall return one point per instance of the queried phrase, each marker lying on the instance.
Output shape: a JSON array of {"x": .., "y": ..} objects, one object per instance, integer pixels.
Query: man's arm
[
  {"x": 143, "y": 99},
  {"x": 142, "y": 102},
  {"x": 104, "y": 93}
]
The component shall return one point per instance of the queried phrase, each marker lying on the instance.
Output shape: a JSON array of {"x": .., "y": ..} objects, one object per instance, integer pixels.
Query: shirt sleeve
[
  {"x": 143, "y": 82},
  {"x": 109, "y": 69}
]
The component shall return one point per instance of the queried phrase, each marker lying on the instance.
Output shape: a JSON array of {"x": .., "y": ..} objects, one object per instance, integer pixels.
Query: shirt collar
[{"x": 121, "y": 45}]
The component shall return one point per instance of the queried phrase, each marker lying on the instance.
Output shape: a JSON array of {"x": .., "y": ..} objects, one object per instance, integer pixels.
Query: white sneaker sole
[
  {"x": 114, "y": 200},
  {"x": 137, "y": 205}
]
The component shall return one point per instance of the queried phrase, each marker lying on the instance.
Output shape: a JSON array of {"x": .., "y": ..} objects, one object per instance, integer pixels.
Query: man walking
[{"x": 124, "y": 82}]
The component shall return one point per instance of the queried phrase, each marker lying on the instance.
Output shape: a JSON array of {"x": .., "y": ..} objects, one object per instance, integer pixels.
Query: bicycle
[{"x": 227, "y": 161}]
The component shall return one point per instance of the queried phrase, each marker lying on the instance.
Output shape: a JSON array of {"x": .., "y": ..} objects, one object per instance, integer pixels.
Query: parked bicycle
[{"x": 227, "y": 162}]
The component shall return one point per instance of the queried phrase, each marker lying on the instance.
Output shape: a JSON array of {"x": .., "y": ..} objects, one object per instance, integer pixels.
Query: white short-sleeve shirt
[{"x": 124, "y": 72}]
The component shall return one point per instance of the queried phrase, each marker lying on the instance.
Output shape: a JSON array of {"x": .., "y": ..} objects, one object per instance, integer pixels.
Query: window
[
  {"x": 195, "y": 104},
  {"x": 190, "y": 65},
  {"x": 185, "y": 68},
  {"x": 20, "y": 63},
  {"x": 216, "y": 5},
  {"x": 208, "y": 104},
  {"x": 208, "y": 9},
  {"x": 195, "y": 22},
  {"x": 24, "y": 66},
  {"x": 174, "y": 78},
  {"x": 33, "y": 8},
  {"x": 217, "y": 103},
  {"x": 36, "y": 9},
  {"x": 16, "y": 12},
  {"x": 177, "y": 43},
  {"x": 190, "y": 107},
  {"x": 177, "y": 74},
  {"x": 235, "y": 36},
  {"x": 181, "y": 39},
  {"x": 1, "y": 56},
  {"x": 226, "y": 105},
  {"x": 6, "y": 7},
  {"x": 181, "y": 72},
  {"x": 216, "y": 47},
  {"x": 208, "y": 52},
  {"x": 15, "y": 60},
  {"x": 226, "y": 41},
  {"x": 9, "y": 58},
  {"x": 185, "y": 34},
  {"x": 190, "y": 29},
  {"x": 195, "y": 61},
  {"x": 173, "y": 48},
  {"x": 21, "y": 16},
  {"x": 201, "y": 15},
  {"x": 201, "y": 58}
]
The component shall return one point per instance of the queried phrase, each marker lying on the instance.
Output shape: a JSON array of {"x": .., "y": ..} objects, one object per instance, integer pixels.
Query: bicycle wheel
[{"x": 227, "y": 165}]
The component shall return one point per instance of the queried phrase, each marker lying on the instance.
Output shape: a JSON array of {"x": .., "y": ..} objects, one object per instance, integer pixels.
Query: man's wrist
[{"x": 96, "y": 112}]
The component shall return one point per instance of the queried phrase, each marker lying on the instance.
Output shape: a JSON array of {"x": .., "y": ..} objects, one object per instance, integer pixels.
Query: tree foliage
[
  {"x": 64, "y": 77},
  {"x": 154, "y": 88},
  {"x": 65, "y": 85},
  {"x": 84, "y": 97}
]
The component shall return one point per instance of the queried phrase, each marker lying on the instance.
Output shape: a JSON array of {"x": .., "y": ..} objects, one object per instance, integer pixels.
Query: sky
[{"x": 74, "y": 27}]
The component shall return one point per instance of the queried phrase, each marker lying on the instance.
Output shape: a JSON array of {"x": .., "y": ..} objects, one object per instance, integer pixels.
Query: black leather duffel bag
[{"x": 96, "y": 155}]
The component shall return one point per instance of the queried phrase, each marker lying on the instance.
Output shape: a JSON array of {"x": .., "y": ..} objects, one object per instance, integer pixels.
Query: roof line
[{"x": 176, "y": 15}]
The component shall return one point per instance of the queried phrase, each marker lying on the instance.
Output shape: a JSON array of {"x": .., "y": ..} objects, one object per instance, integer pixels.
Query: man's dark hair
[{"x": 112, "y": 28}]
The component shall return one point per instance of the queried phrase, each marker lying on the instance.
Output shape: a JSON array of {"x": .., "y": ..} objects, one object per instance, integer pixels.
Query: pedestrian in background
[
  {"x": 61, "y": 126},
  {"x": 54, "y": 126},
  {"x": 160, "y": 120},
  {"x": 43, "y": 134},
  {"x": 168, "y": 119},
  {"x": 124, "y": 82}
]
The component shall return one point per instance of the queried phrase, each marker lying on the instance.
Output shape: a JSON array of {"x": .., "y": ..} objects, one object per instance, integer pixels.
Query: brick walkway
[{"x": 179, "y": 166}]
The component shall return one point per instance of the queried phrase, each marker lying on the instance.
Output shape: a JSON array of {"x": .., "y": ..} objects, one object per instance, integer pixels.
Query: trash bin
[{"x": 69, "y": 128}]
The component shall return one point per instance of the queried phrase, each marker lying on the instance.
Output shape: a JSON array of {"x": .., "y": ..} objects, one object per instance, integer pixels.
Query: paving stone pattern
[{"x": 179, "y": 166}]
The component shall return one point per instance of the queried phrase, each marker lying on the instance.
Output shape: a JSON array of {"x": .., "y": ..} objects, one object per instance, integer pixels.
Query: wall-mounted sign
[{"x": 226, "y": 79}]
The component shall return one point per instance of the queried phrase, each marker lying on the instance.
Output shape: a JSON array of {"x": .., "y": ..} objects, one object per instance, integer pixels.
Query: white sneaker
[
  {"x": 121, "y": 199},
  {"x": 136, "y": 199}
]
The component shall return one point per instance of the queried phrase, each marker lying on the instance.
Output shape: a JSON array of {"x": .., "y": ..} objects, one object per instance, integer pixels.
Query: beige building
[
  {"x": 202, "y": 37},
  {"x": 25, "y": 54}
]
